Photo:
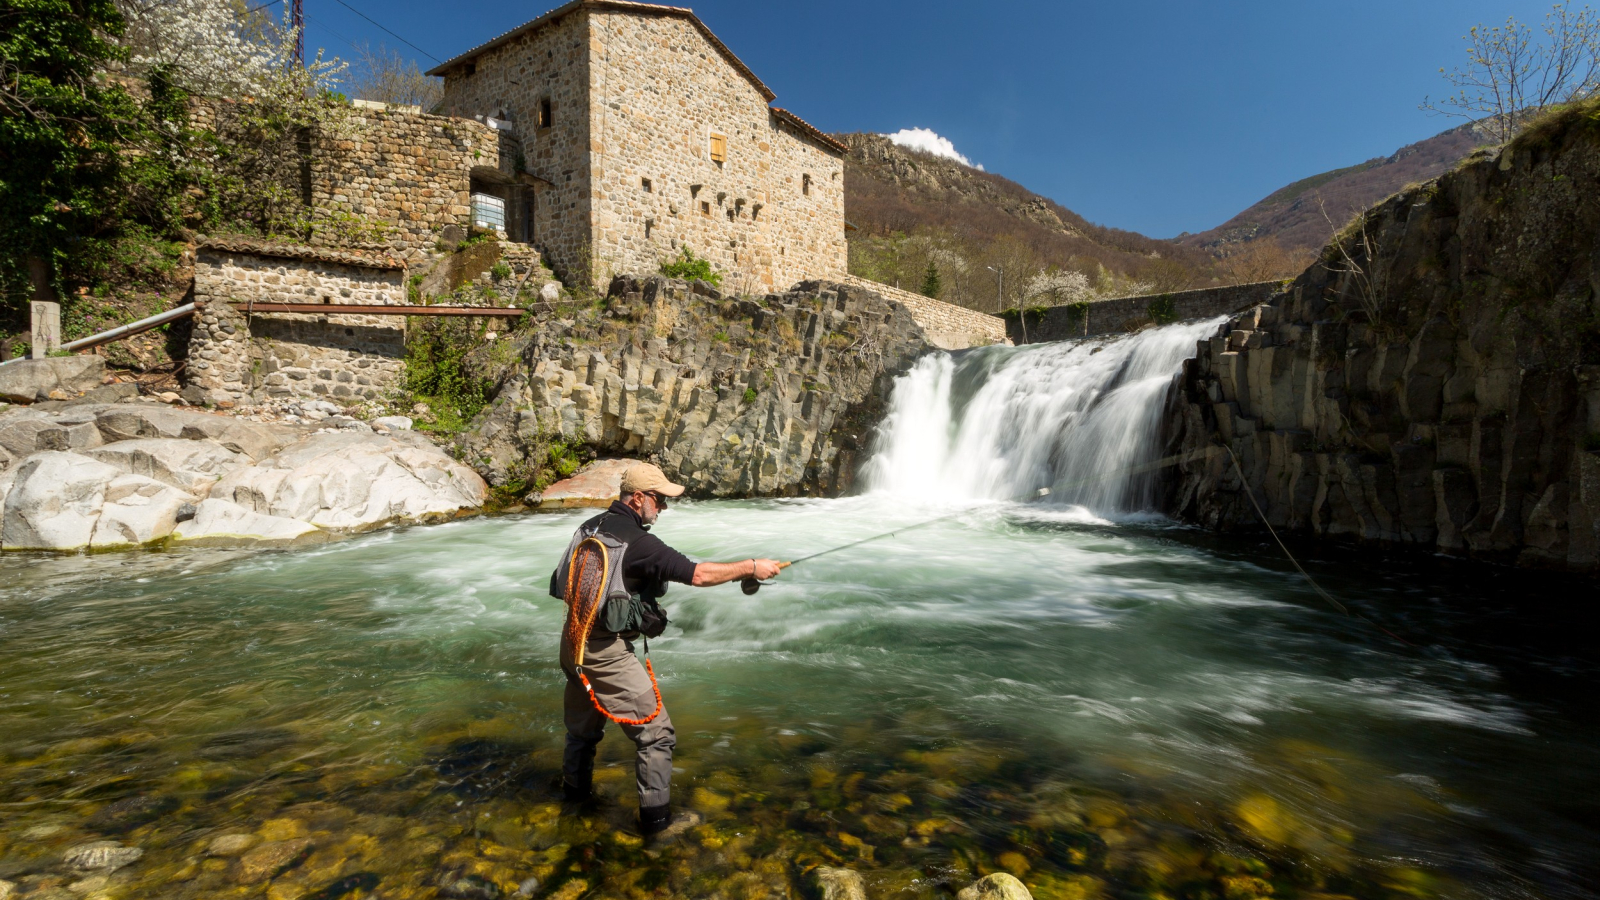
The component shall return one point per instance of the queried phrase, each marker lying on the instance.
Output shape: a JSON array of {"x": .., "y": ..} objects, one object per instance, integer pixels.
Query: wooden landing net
[{"x": 587, "y": 581}]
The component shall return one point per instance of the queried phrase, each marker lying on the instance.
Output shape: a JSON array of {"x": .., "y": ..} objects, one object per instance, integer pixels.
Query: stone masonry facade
[
  {"x": 238, "y": 356},
  {"x": 643, "y": 134}
]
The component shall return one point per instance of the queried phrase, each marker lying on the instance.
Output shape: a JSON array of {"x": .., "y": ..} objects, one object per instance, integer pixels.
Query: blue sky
[{"x": 1159, "y": 116}]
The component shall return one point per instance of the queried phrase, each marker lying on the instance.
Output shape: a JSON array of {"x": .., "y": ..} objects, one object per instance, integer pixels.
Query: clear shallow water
[
  {"x": 1106, "y": 709},
  {"x": 1096, "y": 701}
]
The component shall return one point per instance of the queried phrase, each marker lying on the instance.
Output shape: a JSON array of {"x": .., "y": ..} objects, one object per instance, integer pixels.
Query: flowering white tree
[
  {"x": 1056, "y": 287},
  {"x": 259, "y": 105}
]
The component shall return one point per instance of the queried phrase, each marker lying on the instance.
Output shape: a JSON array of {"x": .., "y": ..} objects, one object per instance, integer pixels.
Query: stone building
[{"x": 640, "y": 132}]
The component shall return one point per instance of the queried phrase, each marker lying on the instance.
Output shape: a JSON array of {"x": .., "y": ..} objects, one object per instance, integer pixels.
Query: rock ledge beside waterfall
[{"x": 107, "y": 476}]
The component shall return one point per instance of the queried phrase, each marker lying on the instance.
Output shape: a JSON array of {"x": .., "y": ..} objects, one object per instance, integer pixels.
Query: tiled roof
[
  {"x": 809, "y": 129},
  {"x": 258, "y": 247},
  {"x": 647, "y": 9}
]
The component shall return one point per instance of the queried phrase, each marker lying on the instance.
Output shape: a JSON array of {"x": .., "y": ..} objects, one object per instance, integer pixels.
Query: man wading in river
[{"x": 605, "y": 615}]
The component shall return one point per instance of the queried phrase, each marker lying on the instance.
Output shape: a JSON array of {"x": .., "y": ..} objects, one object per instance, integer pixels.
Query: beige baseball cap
[{"x": 646, "y": 477}]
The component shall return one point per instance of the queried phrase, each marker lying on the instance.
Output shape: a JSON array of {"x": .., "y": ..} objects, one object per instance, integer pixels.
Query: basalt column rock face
[
  {"x": 1435, "y": 382},
  {"x": 732, "y": 397}
]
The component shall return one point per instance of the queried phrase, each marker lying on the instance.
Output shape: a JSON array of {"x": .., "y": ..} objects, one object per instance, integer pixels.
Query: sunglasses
[{"x": 661, "y": 502}]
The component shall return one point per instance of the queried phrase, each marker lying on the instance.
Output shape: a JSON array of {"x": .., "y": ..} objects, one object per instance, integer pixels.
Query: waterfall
[{"x": 1000, "y": 422}]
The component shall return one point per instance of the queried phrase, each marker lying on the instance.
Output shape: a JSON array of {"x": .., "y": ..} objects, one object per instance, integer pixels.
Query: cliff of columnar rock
[
  {"x": 1434, "y": 380},
  {"x": 732, "y": 397}
]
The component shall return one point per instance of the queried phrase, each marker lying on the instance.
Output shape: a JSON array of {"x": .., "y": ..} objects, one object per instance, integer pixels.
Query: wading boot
[
  {"x": 660, "y": 826},
  {"x": 654, "y": 819},
  {"x": 577, "y": 792}
]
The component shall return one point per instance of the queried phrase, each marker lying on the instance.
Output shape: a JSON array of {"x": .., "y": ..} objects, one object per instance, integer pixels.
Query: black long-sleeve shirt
[{"x": 649, "y": 563}]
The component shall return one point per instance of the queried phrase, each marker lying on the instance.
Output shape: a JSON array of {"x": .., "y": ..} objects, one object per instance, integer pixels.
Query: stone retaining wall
[
  {"x": 948, "y": 326},
  {"x": 409, "y": 172},
  {"x": 238, "y": 356},
  {"x": 1061, "y": 323}
]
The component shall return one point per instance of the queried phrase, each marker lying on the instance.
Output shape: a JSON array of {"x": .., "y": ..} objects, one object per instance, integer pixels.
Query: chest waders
[{"x": 593, "y": 578}]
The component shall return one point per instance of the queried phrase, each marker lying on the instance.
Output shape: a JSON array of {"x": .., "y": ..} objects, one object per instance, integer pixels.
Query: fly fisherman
[{"x": 604, "y": 678}]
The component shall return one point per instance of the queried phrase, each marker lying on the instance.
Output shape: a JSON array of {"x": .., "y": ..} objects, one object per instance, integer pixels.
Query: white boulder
[
  {"x": 393, "y": 423},
  {"x": 138, "y": 510},
  {"x": 356, "y": 481},
  {"x": 55, "y": 502},
  {"x": 190, "y": 466},
  {"x": 56, "y": 377},
  {"x": 221, "y": 523}
]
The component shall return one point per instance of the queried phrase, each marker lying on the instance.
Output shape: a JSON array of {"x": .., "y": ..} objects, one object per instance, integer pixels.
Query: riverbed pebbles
[{"x": 106, "y": 856}]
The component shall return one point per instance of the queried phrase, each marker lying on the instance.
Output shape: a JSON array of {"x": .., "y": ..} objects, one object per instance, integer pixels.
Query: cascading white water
[{"x": 1000, "y": 422}]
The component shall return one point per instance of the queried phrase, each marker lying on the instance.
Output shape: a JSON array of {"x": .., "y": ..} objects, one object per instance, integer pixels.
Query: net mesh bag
[{"x": 587, "y": 574}]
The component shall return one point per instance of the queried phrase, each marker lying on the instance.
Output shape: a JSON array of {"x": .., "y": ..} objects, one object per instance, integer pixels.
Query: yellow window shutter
[{"x": 719, "y": 147}]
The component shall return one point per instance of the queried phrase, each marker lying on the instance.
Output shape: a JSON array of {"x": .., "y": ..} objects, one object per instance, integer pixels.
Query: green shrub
[
  {"x": 690, "y": 267},
  {"x": 750, "y": 395},
  {"x": 500, "y": 271},
  {"x": 436, "y": 372},
  {"x": 1163, "y": 309}
]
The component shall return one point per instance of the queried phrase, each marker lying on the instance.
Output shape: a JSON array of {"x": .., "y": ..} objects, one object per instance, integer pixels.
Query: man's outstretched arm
[{"x": 707, "y": 574}]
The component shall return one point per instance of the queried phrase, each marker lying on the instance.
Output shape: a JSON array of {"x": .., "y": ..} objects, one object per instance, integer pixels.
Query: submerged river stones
[
  {"x": 101, "y": 856},
  {"x": 271, "y": 860}
]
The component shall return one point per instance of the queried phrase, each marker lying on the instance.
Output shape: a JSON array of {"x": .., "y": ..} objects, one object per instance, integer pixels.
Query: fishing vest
[{"x": 622, "y": 612}]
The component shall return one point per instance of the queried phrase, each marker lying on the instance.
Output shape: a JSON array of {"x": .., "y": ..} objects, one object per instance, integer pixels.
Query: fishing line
[
  {"x": 751, "y": 585},
  {"x": 1245, "y": 484}
]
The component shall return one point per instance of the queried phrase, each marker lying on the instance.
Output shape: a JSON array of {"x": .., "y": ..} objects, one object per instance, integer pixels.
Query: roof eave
[{"x": 618, "y": 6}]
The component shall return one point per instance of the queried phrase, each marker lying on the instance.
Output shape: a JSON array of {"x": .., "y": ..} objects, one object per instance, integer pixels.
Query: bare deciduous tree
[
  {"x": 1261, "y": 260},
  {"x": 1510, "y": 74},
  {"x": 388, "y": 77}
]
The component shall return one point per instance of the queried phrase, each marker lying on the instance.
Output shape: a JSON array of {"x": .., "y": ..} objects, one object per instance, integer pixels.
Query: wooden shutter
[{"x": 719, "y": 147}]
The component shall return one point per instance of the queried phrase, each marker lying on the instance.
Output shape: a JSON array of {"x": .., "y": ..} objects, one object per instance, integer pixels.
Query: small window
[
  {"x": 719, "y": 148},
  {"x": 805, "y": 185},
  {"x": 645, "y": 183},
  {"x": 544, "y": 112},
  {"x": 705, "y": 207},
  {"x": 649, "y": 226}
]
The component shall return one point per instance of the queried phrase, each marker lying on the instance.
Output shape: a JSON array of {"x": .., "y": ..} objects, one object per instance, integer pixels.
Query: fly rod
[{"x": 751, "y": 585}]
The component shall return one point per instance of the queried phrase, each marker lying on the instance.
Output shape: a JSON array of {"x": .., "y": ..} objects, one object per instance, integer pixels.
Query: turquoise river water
[{"x": 1101, "y": 703}]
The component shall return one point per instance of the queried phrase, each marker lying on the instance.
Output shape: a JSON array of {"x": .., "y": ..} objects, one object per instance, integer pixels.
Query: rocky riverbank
[
  {"x": 1433, "y": 381},
  {"x": 732, "y": 397},
  {"x": 83, "y": 473}
]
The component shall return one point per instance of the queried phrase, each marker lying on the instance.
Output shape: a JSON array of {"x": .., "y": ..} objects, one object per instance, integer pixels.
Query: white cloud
[{"x": 926, "y": 140}]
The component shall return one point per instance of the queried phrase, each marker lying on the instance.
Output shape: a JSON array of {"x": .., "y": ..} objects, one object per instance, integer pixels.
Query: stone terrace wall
[
  {"x": 1127, "y": 313},
  {"x": 238, "y": 357},
  {"x": 948, "y": 326},
  {"x": 409, "y": 171}
]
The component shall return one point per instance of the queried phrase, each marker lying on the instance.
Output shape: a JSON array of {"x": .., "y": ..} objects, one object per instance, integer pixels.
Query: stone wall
[
  {"x": 238, "y": 356},
  {"x": 410, "y": 172},
  {"x": 732, "y": 397},
  {"x": 1060, "y": 323},
  {"x": 753, "y": 214},
  {"x": 634, "y": 98},
  {"x": 509, "y": 83},
  {"x": 1444, "y": 393},
  {"x": 947, "y": 326}
]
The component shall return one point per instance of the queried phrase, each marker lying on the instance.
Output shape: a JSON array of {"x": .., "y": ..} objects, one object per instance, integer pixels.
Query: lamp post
[{"x": 1022, "y": 313}]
